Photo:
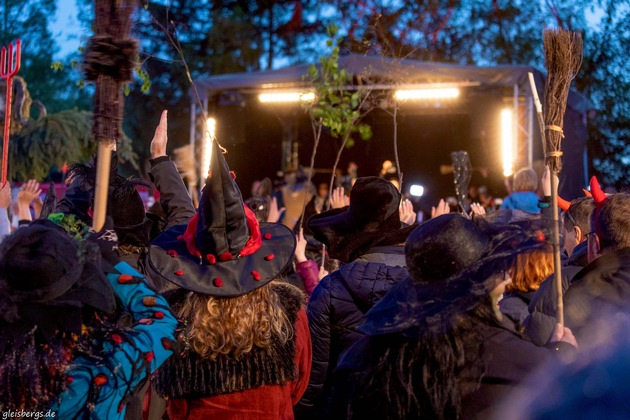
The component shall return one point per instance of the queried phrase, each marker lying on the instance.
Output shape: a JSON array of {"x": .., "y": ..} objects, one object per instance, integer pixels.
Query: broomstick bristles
[{"x": 563, "y": 58}]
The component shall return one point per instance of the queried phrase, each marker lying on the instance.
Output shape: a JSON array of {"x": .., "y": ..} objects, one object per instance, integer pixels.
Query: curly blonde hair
[
  {"x": 530, "y": 269},
  {"x": 234, "y": 326}
]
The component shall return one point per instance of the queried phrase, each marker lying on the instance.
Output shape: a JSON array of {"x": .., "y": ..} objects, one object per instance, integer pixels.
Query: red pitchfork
[{"x": 8, "y": 69}]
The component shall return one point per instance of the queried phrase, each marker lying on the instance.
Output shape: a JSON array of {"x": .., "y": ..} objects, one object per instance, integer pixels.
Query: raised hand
[
  {"x": 274, "y": 212},
  {"x": 442, "y": 208},
  {"x": 300, "y": 247},
  {"x": 5, "y": 196},
  {"x": 546, "y": 182},
  {"x": 339, "y": 199},
  {"x": 477, "y": 208},
  {"x": 407, "y": 215},
  {"x": 25, "y": 196},
  {"x": 160, "y": 138},
  {"x": 38, "y": 204}
]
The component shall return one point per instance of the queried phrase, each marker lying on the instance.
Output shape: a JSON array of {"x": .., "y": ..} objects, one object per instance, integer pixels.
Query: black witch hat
[
  {"x": 450, "y": 259},
  {"x": 50, "y": 202},
  {"x": 223, "y": 250}
]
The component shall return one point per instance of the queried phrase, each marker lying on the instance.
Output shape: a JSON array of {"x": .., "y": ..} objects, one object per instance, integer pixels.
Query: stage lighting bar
[
  {"x": 427, "y": 94},
  {"x": 286, "y": 97}
]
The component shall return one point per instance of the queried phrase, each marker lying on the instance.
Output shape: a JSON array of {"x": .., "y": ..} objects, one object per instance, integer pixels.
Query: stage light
[
  {"x": 211, "y": 128},
  {"x": 416, "y": 190},
  {"x": 435, "y": 93},
  {"x": 284, "y": 97},
  {"x": 507, "y": 142}
]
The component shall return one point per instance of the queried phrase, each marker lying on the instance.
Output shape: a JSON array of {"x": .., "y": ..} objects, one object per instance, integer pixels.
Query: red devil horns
[
  {"x": 587, "y": 193},
  {"x": 563, "y": 204},
  {"x": 598, "y": 195}
]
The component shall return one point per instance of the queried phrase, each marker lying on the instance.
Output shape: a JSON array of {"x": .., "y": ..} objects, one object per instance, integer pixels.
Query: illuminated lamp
[
  {"x": 427, "y": 94},
  {"x": 416, "y": 190},
  {"x": 211, "y": 129},
  {"x": 284, "y": 97},
  {"x": 507, "y": 142}
]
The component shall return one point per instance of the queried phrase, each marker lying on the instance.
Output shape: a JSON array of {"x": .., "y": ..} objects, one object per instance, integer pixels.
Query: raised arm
[{"x": 174, "y": 197}]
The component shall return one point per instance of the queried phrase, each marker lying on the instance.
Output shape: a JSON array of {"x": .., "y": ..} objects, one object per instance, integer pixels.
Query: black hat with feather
[{"x": 124, "y": 203}]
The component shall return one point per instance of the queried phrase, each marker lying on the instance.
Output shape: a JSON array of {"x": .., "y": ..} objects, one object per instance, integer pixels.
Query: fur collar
[{"x": 190, "y": 377}]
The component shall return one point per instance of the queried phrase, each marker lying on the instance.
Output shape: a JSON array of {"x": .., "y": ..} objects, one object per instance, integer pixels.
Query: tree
[
  {"x": 214, "y": 37},
  {"x": 510, "y": 32},
  {"x": 29, "y": 21},
  {"x": 336, "y": 108},
  {"x": 605, "y": 80},
  {"x": 234, "y": 36}
]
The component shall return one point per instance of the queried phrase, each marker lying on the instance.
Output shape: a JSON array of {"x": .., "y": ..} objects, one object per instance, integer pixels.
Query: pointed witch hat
[
  {"x": 50, "y": 202},
  {"x": 223, "y": 250}
]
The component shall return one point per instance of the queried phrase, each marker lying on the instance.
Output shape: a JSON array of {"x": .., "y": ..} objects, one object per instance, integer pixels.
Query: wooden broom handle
[{"x": 103, "y": 163}]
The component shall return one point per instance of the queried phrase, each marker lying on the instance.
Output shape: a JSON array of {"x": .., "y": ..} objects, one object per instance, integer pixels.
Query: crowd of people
[{"x": 344, "y": 306}]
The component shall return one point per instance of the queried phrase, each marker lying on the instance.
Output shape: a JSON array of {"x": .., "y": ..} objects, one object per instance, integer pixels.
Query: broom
[
  {"x": 462, "y": 171},
  {"x": 563, "y": 58},
  {"x": 109, "y": 62}
]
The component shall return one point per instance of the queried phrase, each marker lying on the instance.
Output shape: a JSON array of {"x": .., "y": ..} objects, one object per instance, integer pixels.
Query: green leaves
[{"x": 338, "y": 103}]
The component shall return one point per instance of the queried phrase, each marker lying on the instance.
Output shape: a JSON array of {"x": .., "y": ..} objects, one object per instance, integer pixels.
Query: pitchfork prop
[{"x": 8, "y": 69}]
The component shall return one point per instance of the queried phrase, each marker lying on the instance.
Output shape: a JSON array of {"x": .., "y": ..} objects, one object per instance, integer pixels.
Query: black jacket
[
  {"x": 598, "y": 291},
  {"x": 514, "y": 306},
  {"x": 174, "y": 200},
  {"x": 498, "y": 360},
  {"x": 542, "y": 317},
  {"x": 335, "y": 310}
]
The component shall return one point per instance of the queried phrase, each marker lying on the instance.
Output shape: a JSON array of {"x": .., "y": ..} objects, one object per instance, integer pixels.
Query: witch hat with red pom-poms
[{"x": 223, "y": 250}]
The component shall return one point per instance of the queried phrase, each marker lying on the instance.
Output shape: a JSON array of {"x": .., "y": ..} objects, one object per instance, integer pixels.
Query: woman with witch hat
[
  {"x": 368, "y": 237},
  {"x": 248, "y": 349},
  {"x": 64, "y": 351},
  {"x": 437, "y": 346}
]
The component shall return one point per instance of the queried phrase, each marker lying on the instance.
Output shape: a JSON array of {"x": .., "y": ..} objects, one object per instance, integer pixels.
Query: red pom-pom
[
  {"x": 149, "y": 301},
  {"x": 226, "y": 256},
  {"x": 69, "y": 380},
  {"x": 256, "y": 275},
  {"x": 269, "y": 257},
  {"x": 179, "y": 273},
  {"x": 158, "y": 315},
  {"x": 540, "y": 236},
  {"x": 212, "y": 260},
  {"x": 149, "y": 356},
  {"x": 218, "y": 282},
  {"x": 180, "y": 237},
  {"x": 232, "y": 174},
  {"x": 267, "y": 236},
  {"x": 172, "y": 253},
  {"x": 166, "y": 343},
  {"x": 100, "y": 379},
  {"x": 125, "y": 278},
  {"x": 116, "y": 338}
]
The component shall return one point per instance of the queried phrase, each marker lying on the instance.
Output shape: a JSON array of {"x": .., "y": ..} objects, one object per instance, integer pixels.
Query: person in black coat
[
  {"x": 542, "y": 309},
  {"x": 602, "y": 288},
  {"x": 368, "y": 238},
  {"x": 437, "y": 346},
  {"x": 135, "y": 227}
]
